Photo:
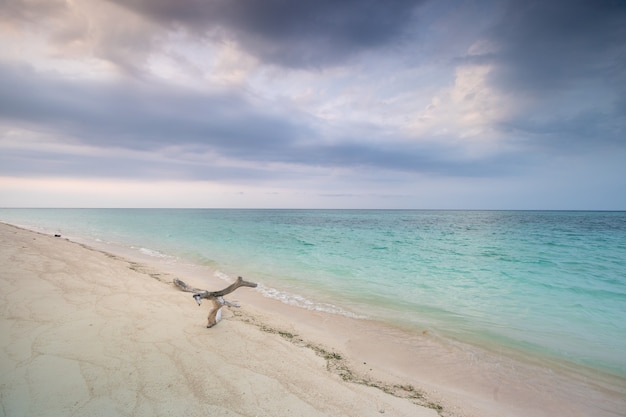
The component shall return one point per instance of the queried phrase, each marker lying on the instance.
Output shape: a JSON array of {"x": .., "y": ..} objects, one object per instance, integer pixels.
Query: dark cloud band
[{"x": 289, "y": 33}]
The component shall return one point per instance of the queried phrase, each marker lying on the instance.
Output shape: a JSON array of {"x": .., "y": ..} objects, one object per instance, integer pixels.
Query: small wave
[
  {"x": 222, "y": 276},
  {"x": 302, "y": 302},
  {"x": 295, "y": 299},
  {"x": 153, "y": 253}
]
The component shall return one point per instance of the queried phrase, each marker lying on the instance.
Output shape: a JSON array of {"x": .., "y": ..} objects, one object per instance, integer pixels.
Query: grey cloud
[
  {"x": 437, "y": 160},
  {"x": 574, "y": 133},
  {"x": 563, "y": 64},
  {"x": 154, "y": 117},
  {"x": 137, "y": 115},
  {"x": 29, "y": 163},
  {"x": 30, "y": 11},
  {"x": 311, "y": 33},
  {"x": 549, "y": 46}
]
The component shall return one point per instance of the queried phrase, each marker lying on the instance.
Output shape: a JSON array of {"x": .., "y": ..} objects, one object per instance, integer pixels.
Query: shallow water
[{"x": 546, "y": 284}]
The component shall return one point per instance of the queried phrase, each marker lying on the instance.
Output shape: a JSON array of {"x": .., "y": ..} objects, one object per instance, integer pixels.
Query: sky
[{"x": 407, "y": 104}]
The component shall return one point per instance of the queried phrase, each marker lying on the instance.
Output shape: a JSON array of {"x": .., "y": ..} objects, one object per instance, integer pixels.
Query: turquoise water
[{"x": 551, "y": 284}]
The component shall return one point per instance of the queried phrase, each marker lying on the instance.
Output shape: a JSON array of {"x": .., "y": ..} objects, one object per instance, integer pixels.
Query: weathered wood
[
  {"x": 184, "y": 287},
  {"x": 215, "y": 297},
  {"x": 232, "y": 287}
]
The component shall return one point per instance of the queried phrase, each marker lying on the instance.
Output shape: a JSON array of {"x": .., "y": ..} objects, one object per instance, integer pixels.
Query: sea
[{"x": 548, "y": 284}]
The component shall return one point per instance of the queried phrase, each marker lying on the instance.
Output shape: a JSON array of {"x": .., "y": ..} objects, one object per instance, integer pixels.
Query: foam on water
[
  {"x": 303, "y": 302},
  {"x": 153, "y": 253},
  {"x": 294, "y": 299},
  {"x": 221, "y": 275}
]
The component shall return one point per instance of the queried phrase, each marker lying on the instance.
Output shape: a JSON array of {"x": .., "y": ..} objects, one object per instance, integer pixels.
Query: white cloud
[{"x": 466, "y": 113}]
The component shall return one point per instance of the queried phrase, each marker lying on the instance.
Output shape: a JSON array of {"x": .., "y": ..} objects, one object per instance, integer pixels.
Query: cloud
[
  {"x": 138, "y": 115},
  {"x": 556, "y": 45},
  {"x": 302, "y": 34},
  {"x": 181, "y": 122},
  {"x": 558, "y": 68},
  {"x": 31, "y": 11},
  {"x": 333, "y": 97}
]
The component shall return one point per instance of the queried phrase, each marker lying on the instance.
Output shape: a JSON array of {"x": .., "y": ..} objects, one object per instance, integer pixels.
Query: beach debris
[{"x": 216, "y": 298}]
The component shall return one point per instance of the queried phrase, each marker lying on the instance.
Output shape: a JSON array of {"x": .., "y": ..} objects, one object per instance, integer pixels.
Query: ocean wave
[
  {"x": 153, "y": 253},
  {"x": 222, "y": 276},
  {"x": 303, "y": 302},
  {"x": 295, "y": 299}
]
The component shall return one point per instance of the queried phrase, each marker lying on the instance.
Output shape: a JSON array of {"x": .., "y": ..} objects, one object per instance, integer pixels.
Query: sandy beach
[{"x": 84, "y": 332}]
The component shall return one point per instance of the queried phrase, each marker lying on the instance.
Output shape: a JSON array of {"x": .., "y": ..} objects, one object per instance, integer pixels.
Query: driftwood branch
[{"x": 216, "y": 298}]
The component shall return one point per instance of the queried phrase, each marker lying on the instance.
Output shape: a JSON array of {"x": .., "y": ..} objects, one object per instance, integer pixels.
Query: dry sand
[{"x": 87, "y": 333}]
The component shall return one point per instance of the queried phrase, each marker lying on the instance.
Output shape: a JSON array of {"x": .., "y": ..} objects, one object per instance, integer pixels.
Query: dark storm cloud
[
  {"x": 311, "y": 33},
  {"x": 564, "y": 63},
  {"x": 549, "y": 46}
]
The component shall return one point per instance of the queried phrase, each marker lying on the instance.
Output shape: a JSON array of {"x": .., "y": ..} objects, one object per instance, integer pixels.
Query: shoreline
[
  {"x": 86, "y": 333},
  {"x": 448, "y": 379},
  {"x": 581, "y": 330}
]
